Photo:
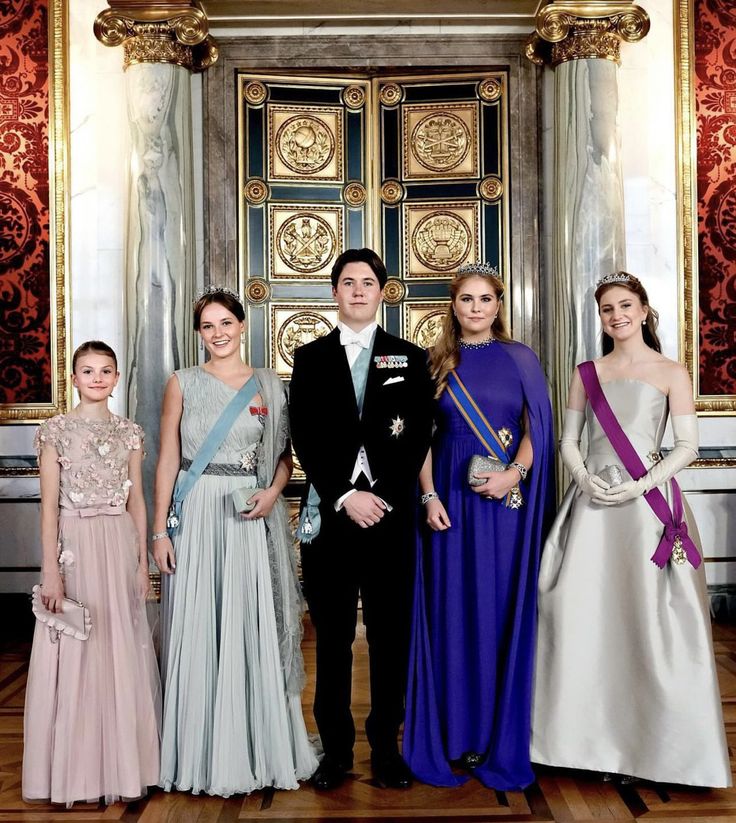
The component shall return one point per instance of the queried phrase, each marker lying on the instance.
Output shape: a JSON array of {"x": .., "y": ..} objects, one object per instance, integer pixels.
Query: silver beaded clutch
[
  {"x": 483, "y": 463},
  {"x": 612, "y": 475}
]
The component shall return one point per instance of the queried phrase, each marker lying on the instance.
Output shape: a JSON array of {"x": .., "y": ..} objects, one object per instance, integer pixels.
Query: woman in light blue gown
[{"x": 231, "y": 606}]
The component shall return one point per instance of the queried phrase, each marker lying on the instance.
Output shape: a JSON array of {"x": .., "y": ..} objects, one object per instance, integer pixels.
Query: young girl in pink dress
[{"x": 92, "y": 706}]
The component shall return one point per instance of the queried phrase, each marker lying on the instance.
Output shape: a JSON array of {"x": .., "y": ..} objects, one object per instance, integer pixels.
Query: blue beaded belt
[{"x": 222, "y": 469}]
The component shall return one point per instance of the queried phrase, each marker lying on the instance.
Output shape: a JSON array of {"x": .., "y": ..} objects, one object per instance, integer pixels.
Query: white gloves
[
  {"x": 685, "y": 430},
  {"x": 572, "y": 428}
]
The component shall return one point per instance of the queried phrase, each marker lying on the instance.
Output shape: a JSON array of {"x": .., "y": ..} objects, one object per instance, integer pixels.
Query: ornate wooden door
[{"x": 413, "y": 166}]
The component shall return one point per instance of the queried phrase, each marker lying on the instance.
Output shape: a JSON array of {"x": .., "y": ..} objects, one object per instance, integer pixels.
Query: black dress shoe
[
  {"x": 329, "y": 775},
  {"x": 471, "y": 760},
  {"x": 390, "y": 771}
]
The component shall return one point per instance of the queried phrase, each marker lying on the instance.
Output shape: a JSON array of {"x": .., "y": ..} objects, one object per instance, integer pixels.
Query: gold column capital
[
  {"x": 573, "y": 30},
  {"x": 167, "y": 31}
]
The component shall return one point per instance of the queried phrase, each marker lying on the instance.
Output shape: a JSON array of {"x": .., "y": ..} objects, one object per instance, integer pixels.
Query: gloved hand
[
  {"x": 572, "y": 428},
  {"x": 685, "y": 430}
]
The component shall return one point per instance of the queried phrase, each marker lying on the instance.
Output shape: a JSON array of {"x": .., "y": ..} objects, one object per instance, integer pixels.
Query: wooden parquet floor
[{"x": 558, "y": 795}]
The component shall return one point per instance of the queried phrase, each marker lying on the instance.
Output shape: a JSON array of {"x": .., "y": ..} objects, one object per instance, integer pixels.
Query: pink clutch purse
[{"x": 73, "y": 620}]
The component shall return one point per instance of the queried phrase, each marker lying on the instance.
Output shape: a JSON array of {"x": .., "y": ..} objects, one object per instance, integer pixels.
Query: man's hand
[{"x": 364, "y": 508}]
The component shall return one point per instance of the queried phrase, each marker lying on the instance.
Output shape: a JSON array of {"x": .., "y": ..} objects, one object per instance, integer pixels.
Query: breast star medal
[{"x": 397, "y": 427}]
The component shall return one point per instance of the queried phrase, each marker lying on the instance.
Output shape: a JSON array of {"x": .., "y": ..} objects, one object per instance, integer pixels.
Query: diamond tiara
[
  {"x": 212, "y": 289},
  {"x": 616, "y": 277},
  {"x": 478, "y": 268}
]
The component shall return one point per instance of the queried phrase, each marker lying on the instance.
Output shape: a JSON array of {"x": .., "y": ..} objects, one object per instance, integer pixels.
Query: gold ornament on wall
[
  {"x": 256, "y": 191},
  {"x": 441, "y": 141},
  {"x": 302, "y": 327},
  {"x": 354, "y": 97},
  {"x": 393, "y": 291},
  {"x": 423, "y": 321},
  {"x": 391, "y": 95},
  {"x": 490, "y": 188},
  {"x": 490, "y": 89},
  {"x": 305, "y": 145},
  {"x": 305, "y": 242},
  {"x": 354, "y": 194},
  {"x": 257, "y": 290},
  {"x": 441, "y": 240},
  {"x": 255, "y": 93},
  {"x": 392, "y": 192}
]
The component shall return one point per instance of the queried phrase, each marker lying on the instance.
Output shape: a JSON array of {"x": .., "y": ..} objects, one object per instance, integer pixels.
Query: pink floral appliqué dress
[{"x": 92, "y": 708}]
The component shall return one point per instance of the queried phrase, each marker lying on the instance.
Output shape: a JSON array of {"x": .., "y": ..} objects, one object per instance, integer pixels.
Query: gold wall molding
[
  {"x": 160, "y": 32},
  {"x": 569, "y": 30}
]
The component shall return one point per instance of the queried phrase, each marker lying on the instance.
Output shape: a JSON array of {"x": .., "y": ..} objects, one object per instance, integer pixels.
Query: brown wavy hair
[
  {"x": 649, "y": 328},
  {"x": 444, "y": 356}
]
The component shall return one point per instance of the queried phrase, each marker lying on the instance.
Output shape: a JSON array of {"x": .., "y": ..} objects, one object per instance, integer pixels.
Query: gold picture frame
[
  {"x": 687, "y": 197},
  {"x": 11, "y": 413}
]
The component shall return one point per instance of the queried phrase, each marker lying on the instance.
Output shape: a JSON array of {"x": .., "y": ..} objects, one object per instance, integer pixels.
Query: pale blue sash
[{"x": 310, "y": 522}]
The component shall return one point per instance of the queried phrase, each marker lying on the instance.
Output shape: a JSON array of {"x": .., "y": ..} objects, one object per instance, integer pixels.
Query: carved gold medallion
[
  {"x": 393, "y": 291},
  {"x": 391, "y": 94},
  {"x": 255, "y": 93},
  {"x": 294, "y": 325},
  {"x": 423, "y": 322},
  {"x": 305, "y": 142},
  {"x": 392, "y": 192},
  {"x": 354, "y": 97},
  {"x": 257, "y": 290},
  {"x": 441, "y": 240},
  {"x": 490, "y": 188},
  {"x": 354, "y": 194},
  {"x": 440, "y": 140},
  {"x": 256, "y": 191},
  {"x": 305, "y": 242},
  {"x": 490, "y": 89}
]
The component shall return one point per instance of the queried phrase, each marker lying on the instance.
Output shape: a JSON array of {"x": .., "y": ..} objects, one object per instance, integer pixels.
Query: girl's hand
[
  {"x": 498, "y": 484},
  {"x": 264, "y": 502},
  {"x": 163, "y": 554},
  {"x": 142, "y": 582},
  {"x": 437, "y": 518},
  {"x": 52, "y": 591}
]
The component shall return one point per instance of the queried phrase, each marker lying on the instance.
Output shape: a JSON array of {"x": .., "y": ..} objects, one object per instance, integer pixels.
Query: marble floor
[{"x": 557, "y": 795}]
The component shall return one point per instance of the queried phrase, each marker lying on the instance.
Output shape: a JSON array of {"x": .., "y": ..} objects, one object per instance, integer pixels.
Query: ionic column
[
  {"x": 581, "y": 42},
  {"x": 162, "y": 45}
]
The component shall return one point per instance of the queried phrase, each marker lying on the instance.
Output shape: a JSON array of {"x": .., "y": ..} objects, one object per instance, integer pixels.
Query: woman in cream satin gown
[{"x": 625, "y": 681}]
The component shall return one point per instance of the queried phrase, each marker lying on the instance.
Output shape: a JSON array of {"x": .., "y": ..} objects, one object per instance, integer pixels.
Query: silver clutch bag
[
  {"x": 241, "y": 497},
  {"x": 612, "y": 475},
  {"x": 483, "y": 463},
  {"x": 73, "y": 620}
]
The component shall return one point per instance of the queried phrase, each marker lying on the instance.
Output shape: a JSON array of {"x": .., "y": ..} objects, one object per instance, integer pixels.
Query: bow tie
[{"x": 349, "y": 337}]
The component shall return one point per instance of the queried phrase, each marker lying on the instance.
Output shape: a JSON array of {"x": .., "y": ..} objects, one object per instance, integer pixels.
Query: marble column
[
  {"x": 581, "y": 41},
  {"x": 159, "y": 53}
]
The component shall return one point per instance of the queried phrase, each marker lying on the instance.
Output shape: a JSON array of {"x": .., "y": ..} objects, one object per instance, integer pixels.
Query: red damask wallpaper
[
  {"x": 715, "y": 97},
  {"x": 25, "y": 340}
]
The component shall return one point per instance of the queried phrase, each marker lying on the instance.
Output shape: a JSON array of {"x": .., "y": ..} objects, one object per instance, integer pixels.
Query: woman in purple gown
[{"x": 473, "y": 637}]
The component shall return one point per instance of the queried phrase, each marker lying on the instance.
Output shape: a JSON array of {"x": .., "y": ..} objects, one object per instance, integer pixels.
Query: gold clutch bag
[
  {"x": 73, "y": 620},
  {"x": 483, "y": 463}
]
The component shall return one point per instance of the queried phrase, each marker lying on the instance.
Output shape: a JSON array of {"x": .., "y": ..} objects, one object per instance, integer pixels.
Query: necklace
[{"x": 481, "y": 345}]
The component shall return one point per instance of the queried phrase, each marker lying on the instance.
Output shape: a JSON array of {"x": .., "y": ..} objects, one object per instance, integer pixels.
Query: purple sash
[{"x": 675, "y": 539}]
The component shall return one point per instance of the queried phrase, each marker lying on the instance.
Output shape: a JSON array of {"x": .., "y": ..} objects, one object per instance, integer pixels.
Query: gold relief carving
[
  {"x": 423, "y": 322},
  {"x": 157, "y": 35},
  {"x": 354, "y": 194},
  {"x": 490, "y": 188},
  {"x": 305, "y": 142},
  {"x": 583, "y": 30},
  {"x": 293, "y": 325},
  {"x": 393, "y": 291},
  {"x": 391, "y": 95},
  {"x": 354, "y": 97},
  {"x": 392, "y": 192},
  {"x": 490, "y": 89},
  {"x": 255, "y": 93},
  {"x": 440, "y": 140},
  {"x": 304, "y": 241},
  {"x": 256, "y": 191},
  {"x": 257, "y": 290},
  {"x": 439, "y": 238}
]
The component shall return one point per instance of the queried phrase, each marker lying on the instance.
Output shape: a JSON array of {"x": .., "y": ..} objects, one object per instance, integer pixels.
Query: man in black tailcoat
[{"x": 361, "y": 418}]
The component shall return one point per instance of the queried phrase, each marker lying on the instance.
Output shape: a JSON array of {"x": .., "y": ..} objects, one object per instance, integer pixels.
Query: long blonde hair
[{"x": 444, "y": 356}]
